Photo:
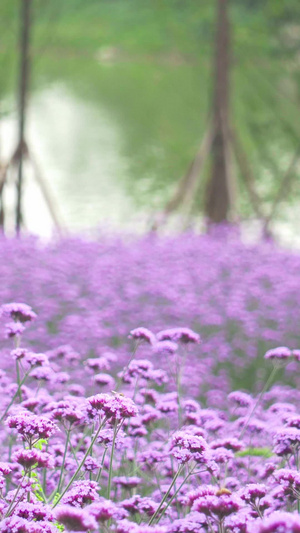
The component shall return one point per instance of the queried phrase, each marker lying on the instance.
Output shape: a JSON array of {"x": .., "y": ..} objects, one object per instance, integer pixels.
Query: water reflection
[{"x": 77, "y": 145}]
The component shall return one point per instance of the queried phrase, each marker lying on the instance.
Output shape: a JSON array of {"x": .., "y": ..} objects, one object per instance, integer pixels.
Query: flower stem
[
  {"x": 14, "y": 396},
  {"x": 177, "y": 491},
  {"x": 166, "y": 495},
  {"x": 64, "y": 460},
  {"x": 268, "y": 382},
  {"x": 101, "y": 466},
  {"x": 111, "y": 460},
  {"x": 15, "y": 496},
  {"x": 80, "y": 465}
]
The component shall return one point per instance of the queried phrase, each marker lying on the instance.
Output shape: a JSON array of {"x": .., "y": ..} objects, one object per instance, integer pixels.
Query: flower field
[{"x": 149, "y": 386}]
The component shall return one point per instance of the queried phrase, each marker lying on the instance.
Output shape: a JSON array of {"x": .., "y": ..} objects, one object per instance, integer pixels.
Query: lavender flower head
[
  {"x": 277, "y": 522},
  {"x": 18, "y": 312},
  {"x": 183, "y": 335},
  {"x": 116, "y": 407},
  {"x": 75, "y": 519},
  {"x": 280, "y": 355},
  {"x": 29, "y": 458},
  {"x": 143, "y": 334},
  {"x": 165, "y": 347},
  {"x": 32, "y": 427},
  {"x": 14, "y": 329},
  {"x": 217, "y": 506}
]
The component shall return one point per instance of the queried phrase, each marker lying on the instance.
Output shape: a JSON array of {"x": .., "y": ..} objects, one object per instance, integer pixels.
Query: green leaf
[
  {"x": 57, "y": 495},
  {"x": 255, "y": 452},
  {"x": 39, "y": 444},
  {"x": 58, "y": 526}
]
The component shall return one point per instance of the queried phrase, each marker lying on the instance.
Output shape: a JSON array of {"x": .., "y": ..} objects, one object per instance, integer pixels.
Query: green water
[
  {"x": 113, "y": 137},
  {"x": 120, "y": 93}
]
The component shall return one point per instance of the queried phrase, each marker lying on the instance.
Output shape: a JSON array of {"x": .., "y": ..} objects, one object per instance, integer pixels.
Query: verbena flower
[
  {"x": 184, "y": 335},
  {"x": 217, "y": 506},
  {"x": 253, "y": 492},
  {"x": 127, "y": 482},
  {"x": 18, "y": 311},
  {"x": 105, "y": 510},
  {"x": 241, "y": 399},
  {"x": 81, "y": 493},
  {"x": 114, "y": 407},
  {"x": 281, "y": 354},
  {"x": 16, "y": 524},
  {"x": 165, "y": 347},
  {"x": 143, "y": 334},
  {"x": 277, "y": 522},
  {"x": 286, "y": 441},
  {"x": 32, "y": 427},
  {"x": 14, "y": 329},
  {"x": 75, "y": 519},
  {"x": 29, "y": 458}
]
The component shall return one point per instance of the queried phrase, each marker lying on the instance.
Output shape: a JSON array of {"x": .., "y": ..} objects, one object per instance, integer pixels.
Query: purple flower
[
  {"x": 32, "y": 427},
  {"x": 282, "y": 354},
  {"x": 104, "y": 380},
  {"x": 14, "y": 329},
  {"x": 29, "y": 458},
  {"x": 105, "y": 510},
  {"x": 127, "y": 482},
  {"x": 67, "y": 412},
  {"x": 18, "y": 311},
  {"x": 217, "y": 506},
  {"x": 19, "y": 353},
  {"x": 286, "y": 441},
  {"x": 296, "y": 354},
  {"x": 5, "y": 468},
  {"x": 253, "y": 492},
  {"x": 231, "y": 443},
  {"x": 184, "y": 335},
  {"x": 143, "y": 334},
  {"x": 165, "y": 347},
  {"x": 185, "y": 447},
  {"x": 75, "y": 519},
  {"x": 34, "y": 511},
  {"x": 241, "y": 399},
  {"x": 36, "y": 359},
  {"x": 81, "y": 493},
  {"x": 124, "y": 526},
  {"x": 16, "y": 524},
  {"x": 277, "y": 522},
  {"x": 116, "y": 407}
]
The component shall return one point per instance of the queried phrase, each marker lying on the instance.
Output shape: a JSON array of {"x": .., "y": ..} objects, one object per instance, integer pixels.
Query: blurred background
[{"x": 150, "y": 114}]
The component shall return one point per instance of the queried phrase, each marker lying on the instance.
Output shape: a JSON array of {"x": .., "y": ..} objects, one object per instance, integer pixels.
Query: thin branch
[
  {"x": 246, "y": 172},
  {"x": 45, "y": 191},
  {"x": 283, "y": 188}
]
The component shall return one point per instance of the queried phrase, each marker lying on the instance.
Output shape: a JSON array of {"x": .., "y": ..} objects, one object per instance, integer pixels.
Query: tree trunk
[
  {"x": 219, "y": 196},
  {"x": 25, "y": 21}
]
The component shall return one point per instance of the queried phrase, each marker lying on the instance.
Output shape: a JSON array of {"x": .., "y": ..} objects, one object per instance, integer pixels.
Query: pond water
[{"x": 111, "y": 142}]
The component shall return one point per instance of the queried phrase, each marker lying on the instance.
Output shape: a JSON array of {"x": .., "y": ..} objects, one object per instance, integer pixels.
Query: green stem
[
  {"x": 119, "y": 383},
  {"x": 166, "y": 495},
  {"x": 268, "y": 382},
  {"x": 18, "y": 380},
  {"x": 29, "y": 477},
  {"x": 64, "y": 460},
  {"x": 80, "y": 465},
  {"x": 111, "y": 461},
  {"x": 14, "y": 396},
  {"x": 15, "y": 497},
  {"x": 101, "y": 466},
  {"x": 177, "y": 491},
  {"x": 73, "y": 452}
]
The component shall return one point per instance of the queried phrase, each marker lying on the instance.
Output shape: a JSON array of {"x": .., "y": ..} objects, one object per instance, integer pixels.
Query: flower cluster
[{"x": 186, "y": 443}]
